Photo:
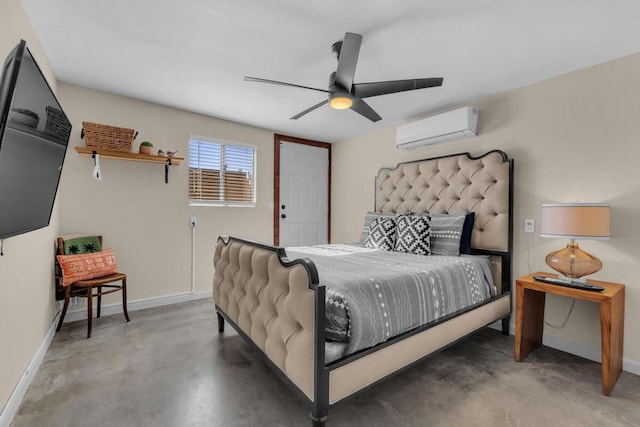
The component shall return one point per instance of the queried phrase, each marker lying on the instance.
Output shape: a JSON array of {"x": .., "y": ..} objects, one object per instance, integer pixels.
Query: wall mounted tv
[{"x": 34, "y": 133}]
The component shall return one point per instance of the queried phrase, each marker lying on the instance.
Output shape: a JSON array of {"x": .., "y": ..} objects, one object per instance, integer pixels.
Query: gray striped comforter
[{"x": 374, "y": 295}]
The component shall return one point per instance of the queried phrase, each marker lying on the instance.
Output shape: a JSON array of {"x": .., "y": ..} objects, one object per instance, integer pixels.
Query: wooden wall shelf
[{"x": 132, "y": 157}]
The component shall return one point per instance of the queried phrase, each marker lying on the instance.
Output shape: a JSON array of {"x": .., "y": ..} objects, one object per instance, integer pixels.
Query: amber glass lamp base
[{"x": 573, "y": 262}]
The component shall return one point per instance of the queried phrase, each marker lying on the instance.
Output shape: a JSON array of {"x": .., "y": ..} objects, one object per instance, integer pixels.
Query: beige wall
[
  {"x": 572, "y": 137},
  {"x": 143, "y": 219},
  {"x": 26, "y": 269}
]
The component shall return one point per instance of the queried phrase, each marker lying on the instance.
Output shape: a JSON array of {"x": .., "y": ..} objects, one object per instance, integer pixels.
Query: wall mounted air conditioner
[{"x": 456, "y": 124}]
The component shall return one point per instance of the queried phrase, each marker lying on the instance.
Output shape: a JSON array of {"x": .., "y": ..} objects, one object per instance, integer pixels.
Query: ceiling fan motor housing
[
  {"x": 339, "y": 97},
  {"x": 335, "y": 49}
]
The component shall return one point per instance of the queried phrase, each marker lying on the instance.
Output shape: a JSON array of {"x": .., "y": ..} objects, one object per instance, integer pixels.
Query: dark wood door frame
[{"x": 277, "y": 139}]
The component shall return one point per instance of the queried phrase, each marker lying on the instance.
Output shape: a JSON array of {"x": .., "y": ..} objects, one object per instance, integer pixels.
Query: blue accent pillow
[{"x": 467, "y": 228}]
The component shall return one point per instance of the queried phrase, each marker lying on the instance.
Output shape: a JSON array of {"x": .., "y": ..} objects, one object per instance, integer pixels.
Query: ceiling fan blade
[
  {"x": 365, "y": 90},
  {"x": 348, "y": 59},
  {"x": 308, "y": 110},
  {"x": 362, "y": 108},
  {"x": 275, "y": 82}
]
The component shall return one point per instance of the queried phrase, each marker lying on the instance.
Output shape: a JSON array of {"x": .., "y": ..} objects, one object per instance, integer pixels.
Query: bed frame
[{"x": 278, "y": 305}]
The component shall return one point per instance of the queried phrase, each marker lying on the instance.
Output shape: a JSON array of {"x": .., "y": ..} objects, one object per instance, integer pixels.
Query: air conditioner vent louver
[{"x": 452, "y": 125}]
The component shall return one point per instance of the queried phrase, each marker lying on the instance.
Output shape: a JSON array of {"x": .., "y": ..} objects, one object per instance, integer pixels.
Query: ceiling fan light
[{"x": 341, "y": 102}]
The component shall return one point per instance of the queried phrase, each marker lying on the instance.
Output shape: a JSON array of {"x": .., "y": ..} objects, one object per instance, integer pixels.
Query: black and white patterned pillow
[
  {"x": 413, "y": 234},
  {"x": 382, "y": 234},
  {"x": 367, "y": 223}
]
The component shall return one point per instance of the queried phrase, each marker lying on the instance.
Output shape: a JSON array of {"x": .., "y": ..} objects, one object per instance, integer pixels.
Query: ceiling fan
[{"x": 343, "y": 93}]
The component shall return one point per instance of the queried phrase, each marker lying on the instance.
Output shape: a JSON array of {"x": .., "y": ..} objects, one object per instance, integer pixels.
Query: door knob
[{"x": 283, "y": 216}]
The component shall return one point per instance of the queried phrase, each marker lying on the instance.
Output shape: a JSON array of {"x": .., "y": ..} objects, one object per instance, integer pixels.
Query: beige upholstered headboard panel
[{"x": 453, "y": 184}]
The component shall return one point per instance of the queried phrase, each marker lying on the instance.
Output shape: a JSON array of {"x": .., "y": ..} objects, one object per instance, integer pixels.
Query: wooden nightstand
[{"x": 530, "y": 296}]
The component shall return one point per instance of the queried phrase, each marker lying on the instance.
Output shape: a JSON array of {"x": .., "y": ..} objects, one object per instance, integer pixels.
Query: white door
[{"x": 304, "y": 194}]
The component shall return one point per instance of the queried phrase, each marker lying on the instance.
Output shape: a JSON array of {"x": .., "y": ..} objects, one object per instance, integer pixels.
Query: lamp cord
[
  {"x": 573, "y": 300},
  {"x": 528, "y": 254},
  {"x": 566, "y": 319},
  {"x": 2, "y": 247}
]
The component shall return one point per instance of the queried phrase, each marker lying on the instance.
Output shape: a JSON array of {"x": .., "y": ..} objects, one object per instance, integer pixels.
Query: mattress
[{"x": 373, "y": 295}]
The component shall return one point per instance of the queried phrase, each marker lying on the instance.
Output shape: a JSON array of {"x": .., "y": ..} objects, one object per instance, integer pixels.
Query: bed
[{"x": 277, "y": 300}]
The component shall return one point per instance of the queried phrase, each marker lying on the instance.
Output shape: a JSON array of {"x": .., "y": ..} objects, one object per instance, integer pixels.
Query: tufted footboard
[{"x": 278, "y": 306}]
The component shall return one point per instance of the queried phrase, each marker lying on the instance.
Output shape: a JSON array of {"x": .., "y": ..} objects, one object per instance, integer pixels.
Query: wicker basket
[
  {"x": 108, "y": 137},
  {"x": 57, "y": 124}
]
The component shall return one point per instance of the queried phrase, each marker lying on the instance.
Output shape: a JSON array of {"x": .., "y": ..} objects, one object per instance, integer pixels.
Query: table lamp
[{"x": 574, "y": 221}]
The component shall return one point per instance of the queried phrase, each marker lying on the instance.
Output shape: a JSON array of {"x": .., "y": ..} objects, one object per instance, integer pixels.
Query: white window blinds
[{"x": 221, "y": 173}]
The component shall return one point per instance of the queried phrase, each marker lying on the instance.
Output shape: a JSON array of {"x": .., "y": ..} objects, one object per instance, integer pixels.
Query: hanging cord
[
  {"x": 566, "y": 319},
  {"x": 573, "y": 300},
  {"x": 528, "y": 255},
  {"x": 2, "y": 247},
  {"x": 97, "y": 174}
]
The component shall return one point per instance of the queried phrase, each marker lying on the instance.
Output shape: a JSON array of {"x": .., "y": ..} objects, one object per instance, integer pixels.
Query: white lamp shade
[{"x": 575, "y": 221}]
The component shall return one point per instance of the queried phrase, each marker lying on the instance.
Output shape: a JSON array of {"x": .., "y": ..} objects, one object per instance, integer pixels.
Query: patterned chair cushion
[
  {"x": 382, "y": 234},
  {"x": 413, "y": 234},
  {"x": 82, "y": 245},
  {"x": 87, "y": 266}
]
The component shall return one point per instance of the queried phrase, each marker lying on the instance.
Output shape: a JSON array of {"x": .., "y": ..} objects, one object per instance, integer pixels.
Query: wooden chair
[{"x": 85, "y": 289}]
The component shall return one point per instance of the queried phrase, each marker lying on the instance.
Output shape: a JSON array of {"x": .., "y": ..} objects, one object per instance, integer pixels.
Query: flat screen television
[{"x": 34, "y": 133}]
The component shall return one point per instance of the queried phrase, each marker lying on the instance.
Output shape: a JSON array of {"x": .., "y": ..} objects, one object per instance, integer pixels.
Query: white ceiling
[{"x": 193, "y": 54}]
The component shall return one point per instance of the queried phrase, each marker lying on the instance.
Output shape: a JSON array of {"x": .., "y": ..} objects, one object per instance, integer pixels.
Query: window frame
[{"x": 224, "y": 143}]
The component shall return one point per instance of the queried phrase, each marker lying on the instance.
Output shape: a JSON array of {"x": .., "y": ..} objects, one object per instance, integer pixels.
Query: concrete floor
[{"x": 169, "y": 367}]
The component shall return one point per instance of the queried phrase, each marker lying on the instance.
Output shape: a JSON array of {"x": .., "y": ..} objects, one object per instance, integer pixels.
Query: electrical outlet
[
  {"x": 194, "y": 221},
  {"x": 529, "y": 226}
]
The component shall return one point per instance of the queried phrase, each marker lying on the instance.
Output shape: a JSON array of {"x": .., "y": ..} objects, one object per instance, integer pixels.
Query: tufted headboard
[
  {"x": 453, "y": 184},
  {"x": 459, "y": 183}
]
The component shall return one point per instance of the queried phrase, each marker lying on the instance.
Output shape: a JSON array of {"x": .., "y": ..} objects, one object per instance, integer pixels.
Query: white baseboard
[
  {"x": 590, "y": 353},
  {"x": 13, "y": 404},
  {"x": 141, "y": 304}
]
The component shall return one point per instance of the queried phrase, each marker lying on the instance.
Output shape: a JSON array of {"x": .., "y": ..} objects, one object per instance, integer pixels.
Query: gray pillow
[{"x": 446, "y": 232}]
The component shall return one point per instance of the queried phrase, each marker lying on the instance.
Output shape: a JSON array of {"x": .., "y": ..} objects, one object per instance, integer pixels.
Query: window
[{"x": 221, "y": 174}]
